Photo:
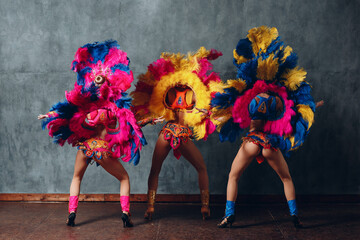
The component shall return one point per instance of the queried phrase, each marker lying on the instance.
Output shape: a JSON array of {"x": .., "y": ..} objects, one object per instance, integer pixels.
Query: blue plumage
[
  {"x": 230, "y": 131},
  {"x": 99, "y": 51},
  {"x": 122, "y": 67},
  {"x": 124, "y": 101}
]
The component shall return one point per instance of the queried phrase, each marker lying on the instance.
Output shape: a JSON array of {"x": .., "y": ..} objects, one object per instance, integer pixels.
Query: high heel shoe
[
  {"x": 227, "y": 221},
  {"x": 296, "y": 221},
  {"x": 126, "y": 220},
  {"x": 205, "y": 210},
  {"x": 151, "y": 202},
  {"x": 71, "y": 219}
]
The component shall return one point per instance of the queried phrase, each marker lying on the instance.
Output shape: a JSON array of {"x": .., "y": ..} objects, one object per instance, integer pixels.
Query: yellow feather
[
  {"x": 238, "y": 84},
  {"x": 267, "y": 68},
  {"x": 220, "y": 116},
  {"x": 239, "y": 59},
  {"x": 261, "y": 37},
  {"x": 307, "y": 113},
  {"x": 216, "y": 87},
  {"x": 293, "y": 78},
  {"x": 287, "y": 52},
  {"x": 292, "y": 140}
]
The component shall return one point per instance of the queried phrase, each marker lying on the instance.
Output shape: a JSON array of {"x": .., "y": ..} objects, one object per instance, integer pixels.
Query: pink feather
[{"x": 241, "y": 115}]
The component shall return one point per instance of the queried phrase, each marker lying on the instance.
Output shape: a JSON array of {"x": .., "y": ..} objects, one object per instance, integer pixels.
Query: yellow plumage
[
  {"x": 287, "y": 52},
  {"x": 307, "y": 113},
  {"x": 293, "y": 78},
  {"x": 184, "y": 66},
  {"x": 216, "y": 87},
  {"x": 261, "y": 37},
  {"x": 267, "y": 68},
  {"x": 239, "y": 59},
  {"x": 238, "y": 84}
]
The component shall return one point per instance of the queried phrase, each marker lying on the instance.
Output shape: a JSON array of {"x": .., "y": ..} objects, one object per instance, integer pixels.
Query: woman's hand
[
  {"x": 205, "y": 112},
  {"x": 159, "y": 119},
  {"x": 319, "y": 103},
  {"x": 42, "y": 116}
]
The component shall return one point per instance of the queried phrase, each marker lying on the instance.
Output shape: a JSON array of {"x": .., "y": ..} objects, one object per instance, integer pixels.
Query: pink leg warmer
[
  {"x": 73, "y": 203},
  {"x": 125, "y": 203}
]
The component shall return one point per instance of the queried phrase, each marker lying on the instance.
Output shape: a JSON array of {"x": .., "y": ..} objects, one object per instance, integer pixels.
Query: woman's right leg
[
  {"x": 79, "y": 171},
  {"x": 116, "y": 169},
  {"x": 277, "y": 162},
  {"x": 248, "y": 151},
  {"x": 161, "y": 150}
]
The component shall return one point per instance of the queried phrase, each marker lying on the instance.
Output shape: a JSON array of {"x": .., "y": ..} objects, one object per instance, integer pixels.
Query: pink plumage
[
  {"x": 103, "y": 78},
  {"x": 241, "y": 115},
  {"x": 161, "y": 67}
]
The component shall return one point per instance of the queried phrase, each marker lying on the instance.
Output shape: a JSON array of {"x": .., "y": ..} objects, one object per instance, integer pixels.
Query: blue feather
[
  {"x": 64, "y": 109},
  {"x": 81, "y": 75},
  {"x": 230, "y": 131},
  {"x": 99, "y": 50},
  {"x": 63, "y": 133},
  {"x": 124, "y": 101},
  {"x": 226, "y": 99},
  {"x": 243, "y": 48},
  {"x": 121, "y": 67}
]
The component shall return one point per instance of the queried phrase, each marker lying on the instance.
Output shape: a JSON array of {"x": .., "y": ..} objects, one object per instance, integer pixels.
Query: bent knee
[
  {"x": 286, "y": 178},
  {"x": 125, "y": 177},
  {"x": 234, "y": 176}
]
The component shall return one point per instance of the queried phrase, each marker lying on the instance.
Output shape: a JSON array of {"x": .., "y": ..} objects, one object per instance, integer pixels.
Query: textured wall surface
[{"x": 38, "y": 39}]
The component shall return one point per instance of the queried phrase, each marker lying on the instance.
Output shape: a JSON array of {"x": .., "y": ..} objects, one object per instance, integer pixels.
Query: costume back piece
[
  {"x": 98, "y": 98},
  {"x": 183, "y": 79},
  {"x": 266, "y": 66}
]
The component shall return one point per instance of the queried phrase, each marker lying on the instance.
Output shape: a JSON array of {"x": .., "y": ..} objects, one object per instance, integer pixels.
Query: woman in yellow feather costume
[{"x": 178, "y": 88}]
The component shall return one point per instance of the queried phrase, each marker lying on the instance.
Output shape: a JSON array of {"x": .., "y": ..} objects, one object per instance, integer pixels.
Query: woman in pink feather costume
[{"x": 96, "y": 118}]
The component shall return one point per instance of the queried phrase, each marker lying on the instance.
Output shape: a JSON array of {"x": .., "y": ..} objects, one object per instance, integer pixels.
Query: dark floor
[{"x": 176, "y": 221}]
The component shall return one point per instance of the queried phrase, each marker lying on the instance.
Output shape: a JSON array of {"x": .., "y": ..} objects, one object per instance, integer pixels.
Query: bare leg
[
  {"x": 278, "y": 163},
  {"x": 193, "y": 155},
  {"x": 161, "y": 150},
  {"x": 79, "y": 171},
  {"x": 247, "y": 152},
  {"x": 115, "y": 168}
]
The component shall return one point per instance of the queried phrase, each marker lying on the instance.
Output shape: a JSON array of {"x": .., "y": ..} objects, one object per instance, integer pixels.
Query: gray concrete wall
[{"x": 38, "y": 39}]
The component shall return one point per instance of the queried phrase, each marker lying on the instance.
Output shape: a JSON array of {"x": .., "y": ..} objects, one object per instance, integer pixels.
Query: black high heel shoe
[
  {"x": 227, "y": 221},
  {"x": 297, "y": 223},
  {"x": 126, "y": 220},
  {"x": 71, "y": 219}
]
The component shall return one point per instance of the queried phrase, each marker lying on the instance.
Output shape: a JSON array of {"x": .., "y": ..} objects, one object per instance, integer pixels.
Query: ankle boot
[
  {"x": 151, "y": 202},
  {"x": 205, "y": 210}
]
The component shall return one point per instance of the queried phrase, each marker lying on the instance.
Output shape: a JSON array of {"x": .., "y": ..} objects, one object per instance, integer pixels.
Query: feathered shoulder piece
[
  {"x": 265, "y": 65},
  {"x": 103, "y": 76},
  {"x": 171, "y": 70}
]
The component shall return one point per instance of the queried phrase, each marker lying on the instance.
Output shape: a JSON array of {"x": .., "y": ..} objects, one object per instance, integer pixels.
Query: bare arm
[{"x": 319, "y": 103}]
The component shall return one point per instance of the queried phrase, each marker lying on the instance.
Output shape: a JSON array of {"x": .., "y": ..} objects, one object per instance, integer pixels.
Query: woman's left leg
[
  {"x": 193, "y": 155},
  {"x": 277, "y": 162},
  {"x": 115, "y": 168}
]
